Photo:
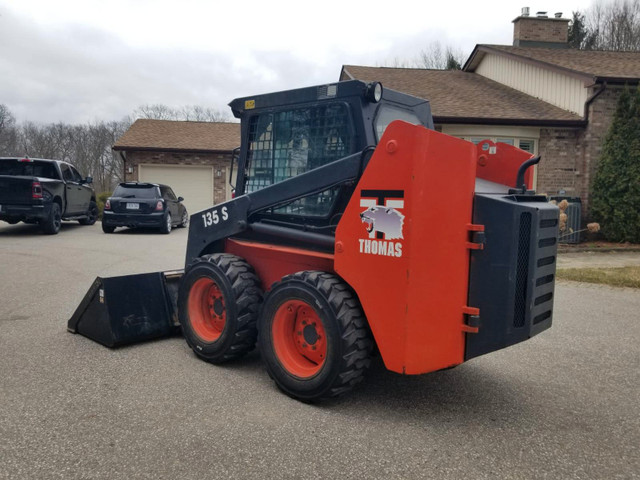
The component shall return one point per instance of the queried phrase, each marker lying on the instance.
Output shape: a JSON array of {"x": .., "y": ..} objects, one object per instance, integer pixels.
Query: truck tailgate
[{"x": 15, "y": 190}]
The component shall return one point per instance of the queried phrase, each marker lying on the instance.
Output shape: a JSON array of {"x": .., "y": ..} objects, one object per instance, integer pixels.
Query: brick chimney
[{"x": 540, "y": 31}]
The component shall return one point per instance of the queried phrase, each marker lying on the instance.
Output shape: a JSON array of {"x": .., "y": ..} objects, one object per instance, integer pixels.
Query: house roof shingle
[
  {"x": 456, "y": 96},
  {"x": 146, "y": 134},
  {"x": 599, "y": 65}
]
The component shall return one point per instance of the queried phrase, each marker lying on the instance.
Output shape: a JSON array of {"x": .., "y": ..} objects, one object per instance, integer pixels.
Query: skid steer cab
[{"x": 355, "y": 224}]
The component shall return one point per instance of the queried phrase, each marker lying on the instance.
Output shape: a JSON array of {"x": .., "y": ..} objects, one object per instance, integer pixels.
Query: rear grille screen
[{"x": 522, "y": 274}]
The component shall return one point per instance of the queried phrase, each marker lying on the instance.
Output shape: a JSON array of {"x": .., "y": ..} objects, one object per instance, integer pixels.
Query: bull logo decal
[
  {"x": 381, "y": 219},
  {"x": 387, "y": 221}
]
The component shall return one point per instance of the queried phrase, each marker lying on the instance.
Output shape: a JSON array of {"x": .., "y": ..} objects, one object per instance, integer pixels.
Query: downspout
[
  {"x": 590, "y": 100},
  {"x": 124, "y": 165},
  {"x": 586, "y": 174}
]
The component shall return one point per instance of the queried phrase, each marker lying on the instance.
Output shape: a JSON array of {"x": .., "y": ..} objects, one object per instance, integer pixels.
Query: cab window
[
  {"x": 291, "y": 142},
  {"x": 388, "y": 113},
  {"x": 76, "y": 175},
  {"x": 67, "y": 174}
]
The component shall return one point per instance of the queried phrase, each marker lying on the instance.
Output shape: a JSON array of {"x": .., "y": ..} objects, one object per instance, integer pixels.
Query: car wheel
[
  {"x": 166, "y": 226},
  {"x": 184, "y": 223},
  {"x": 52, "y": 225},
  {"x": 107, "y": 228},
  {"x": 92, "y": 215}
]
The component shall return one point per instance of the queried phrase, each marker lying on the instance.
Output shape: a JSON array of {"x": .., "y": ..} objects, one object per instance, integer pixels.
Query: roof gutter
[
  {"x": 119, "y": 148},
  {"x": 521, "y": 122}
]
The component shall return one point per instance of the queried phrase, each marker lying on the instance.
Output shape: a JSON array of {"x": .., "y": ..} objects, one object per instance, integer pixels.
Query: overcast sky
[{"x": 86, "y": 60}]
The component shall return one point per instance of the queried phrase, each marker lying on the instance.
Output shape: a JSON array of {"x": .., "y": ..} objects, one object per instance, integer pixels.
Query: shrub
[
  {"x": 615, "y": 199},
  {"x": 101, "y": 198}
]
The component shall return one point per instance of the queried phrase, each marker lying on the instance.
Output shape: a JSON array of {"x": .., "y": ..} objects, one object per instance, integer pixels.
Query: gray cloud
[{"x": 77, "y": 74}]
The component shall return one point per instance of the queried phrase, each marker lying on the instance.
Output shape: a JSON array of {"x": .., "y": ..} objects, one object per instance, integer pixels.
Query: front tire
[
  {"x": 92, "y": 215},
  {"x": 314, "y": 337},
  {"x": 52, "y": 224},
  {"x": 218, "y": 305}
]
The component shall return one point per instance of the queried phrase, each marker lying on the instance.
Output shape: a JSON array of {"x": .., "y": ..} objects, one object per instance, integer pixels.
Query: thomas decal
[{"x": 382, "y": 221}]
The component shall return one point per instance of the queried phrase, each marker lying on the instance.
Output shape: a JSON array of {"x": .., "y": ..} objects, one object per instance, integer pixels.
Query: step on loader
[{"x": 354, "y": 225}]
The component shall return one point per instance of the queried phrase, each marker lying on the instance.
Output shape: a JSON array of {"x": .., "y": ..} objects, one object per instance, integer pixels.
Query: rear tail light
[
  {"x": 159, "y": 206},
  {"x": 107, "y": 205},
  {"x": 36, "y": 190}
]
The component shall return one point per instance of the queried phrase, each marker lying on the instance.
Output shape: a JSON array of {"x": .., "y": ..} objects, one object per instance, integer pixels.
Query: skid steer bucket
[{"x": 129, "y": 309}]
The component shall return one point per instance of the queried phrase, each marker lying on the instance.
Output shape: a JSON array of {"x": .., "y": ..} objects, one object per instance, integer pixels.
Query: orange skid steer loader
[{"x": 355, "y": 224}]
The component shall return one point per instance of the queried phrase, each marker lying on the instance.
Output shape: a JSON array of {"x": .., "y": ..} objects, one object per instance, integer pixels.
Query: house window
[{"x": 526, "y": 144}]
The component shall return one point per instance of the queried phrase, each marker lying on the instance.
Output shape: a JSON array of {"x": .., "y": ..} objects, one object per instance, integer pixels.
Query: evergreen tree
[
  {"x": 616, "y": 187},
  {"x": 577, "y": 30}
]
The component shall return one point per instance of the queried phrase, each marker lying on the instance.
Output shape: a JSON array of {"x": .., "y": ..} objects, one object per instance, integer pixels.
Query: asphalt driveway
[{"x": 564, "y": 405}]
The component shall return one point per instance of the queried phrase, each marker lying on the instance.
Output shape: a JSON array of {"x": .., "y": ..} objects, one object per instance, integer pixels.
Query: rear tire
[
  {"x": 166, "y": 226},
  {"x": 52, "y": 224},
  {"x": 218, "y": 305},
  {"x": 107, "y": 228},
  {"x": 314, "y": 337},
  {"x": 92, "y": 215},
  {"x": 184, "y": 223}
]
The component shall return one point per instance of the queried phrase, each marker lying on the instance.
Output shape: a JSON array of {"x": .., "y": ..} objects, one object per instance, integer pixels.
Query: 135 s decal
[{"x": 213, "y": 218}]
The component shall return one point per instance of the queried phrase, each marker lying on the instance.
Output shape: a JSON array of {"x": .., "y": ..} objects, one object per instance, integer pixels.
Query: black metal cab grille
[{"x": 512, "y": 280}]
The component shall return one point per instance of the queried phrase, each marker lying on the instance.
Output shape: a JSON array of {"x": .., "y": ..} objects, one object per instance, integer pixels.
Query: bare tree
[
  {"x": 613, "y": 25},
  {"x": 433, "y": 56},
  {"x": 196, "y": 113},
  {"x": 8, "y": 132},
  {"x": 193, "y": 113}
]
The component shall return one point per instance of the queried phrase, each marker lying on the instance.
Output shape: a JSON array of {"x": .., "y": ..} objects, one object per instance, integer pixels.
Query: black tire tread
[
  {"x": 248, "y": 298},
  {"x": 357, "y": 338},
  {"x": 49, "y": 225},
  {"x": 91, "y": 219}
]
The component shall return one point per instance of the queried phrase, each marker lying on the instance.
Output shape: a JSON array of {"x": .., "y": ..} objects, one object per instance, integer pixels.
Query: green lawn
[{"x": 617, "y": 277}]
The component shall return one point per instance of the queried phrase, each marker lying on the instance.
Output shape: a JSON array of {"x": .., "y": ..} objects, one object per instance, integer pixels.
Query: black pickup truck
[{"x": 36, "y": 190}]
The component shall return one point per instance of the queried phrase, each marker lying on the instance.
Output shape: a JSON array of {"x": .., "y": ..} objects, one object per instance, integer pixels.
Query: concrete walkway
[{"x": 598, "y": 259}]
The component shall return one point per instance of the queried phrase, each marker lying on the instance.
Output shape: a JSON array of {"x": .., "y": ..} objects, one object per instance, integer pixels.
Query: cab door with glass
[
  {"x": 83, "y": 191},
  {"x": 72, "y": 190}
]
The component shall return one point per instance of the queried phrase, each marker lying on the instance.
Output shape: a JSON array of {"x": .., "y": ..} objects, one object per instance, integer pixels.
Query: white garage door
[{"x": 194, "y": 183}]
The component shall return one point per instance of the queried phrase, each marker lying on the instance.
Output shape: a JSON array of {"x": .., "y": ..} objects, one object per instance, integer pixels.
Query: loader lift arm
[{"x": 233, "y": 216}]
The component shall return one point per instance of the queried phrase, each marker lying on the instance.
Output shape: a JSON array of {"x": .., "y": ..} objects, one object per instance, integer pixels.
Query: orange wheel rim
[
  {"x": 299, "y": 338},
  {"x": 207, "y": 309}
]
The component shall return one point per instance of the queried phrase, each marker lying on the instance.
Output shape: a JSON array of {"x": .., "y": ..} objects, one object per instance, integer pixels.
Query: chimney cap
[
  {"x": 525, "y": 11},
  {"x": 558, "y": 14},
  {"x": 541, "y": 14}
]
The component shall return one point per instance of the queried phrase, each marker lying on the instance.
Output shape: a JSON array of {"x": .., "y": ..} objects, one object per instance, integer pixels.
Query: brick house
[
  {"x": 537, "y": 94},
  {"x": 191, "y": 157}
]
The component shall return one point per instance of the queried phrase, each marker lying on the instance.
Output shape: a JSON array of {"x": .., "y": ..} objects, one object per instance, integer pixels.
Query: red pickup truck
[{"x": 36, "y": 190}]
